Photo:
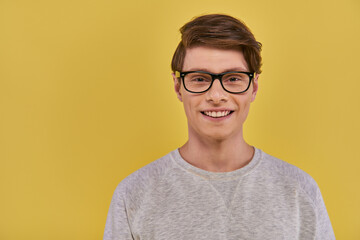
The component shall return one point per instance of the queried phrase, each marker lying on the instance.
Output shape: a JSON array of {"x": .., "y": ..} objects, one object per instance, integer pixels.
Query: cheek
[
  {"x": 189, "y": 109},
  {"x": 244, "y": 105},
  {"x": 191, "y": 104}
]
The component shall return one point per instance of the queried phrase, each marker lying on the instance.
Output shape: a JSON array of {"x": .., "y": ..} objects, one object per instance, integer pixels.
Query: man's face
[{"x": 200, "y": 108}]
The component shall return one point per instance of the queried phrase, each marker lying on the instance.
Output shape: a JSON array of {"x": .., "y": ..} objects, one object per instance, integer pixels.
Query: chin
[{"x": 218, "y": 136}]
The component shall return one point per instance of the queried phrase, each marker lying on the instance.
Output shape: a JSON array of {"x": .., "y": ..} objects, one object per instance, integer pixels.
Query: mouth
[{"x": 217, "y": 114}]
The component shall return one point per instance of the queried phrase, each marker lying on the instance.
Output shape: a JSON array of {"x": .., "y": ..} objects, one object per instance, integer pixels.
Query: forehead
[{"x": 214, "y": 60}]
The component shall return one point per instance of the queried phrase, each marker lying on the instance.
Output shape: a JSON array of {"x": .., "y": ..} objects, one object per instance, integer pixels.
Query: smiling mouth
[{"x": 217, "y": 114}]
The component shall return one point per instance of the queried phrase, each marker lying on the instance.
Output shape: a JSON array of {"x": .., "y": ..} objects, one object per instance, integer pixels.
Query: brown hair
[{"x": 218, "y": 31}]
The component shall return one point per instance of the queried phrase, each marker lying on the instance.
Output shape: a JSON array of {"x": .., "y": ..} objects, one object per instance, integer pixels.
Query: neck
[{"x": 217, "y": 155}]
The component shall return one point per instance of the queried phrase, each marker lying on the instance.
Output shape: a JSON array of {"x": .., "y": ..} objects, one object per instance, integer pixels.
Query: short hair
[{"x": 221, "y": 32}]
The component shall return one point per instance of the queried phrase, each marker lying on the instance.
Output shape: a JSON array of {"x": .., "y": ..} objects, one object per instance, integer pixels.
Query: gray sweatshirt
[{"x": 172, "y": 199}]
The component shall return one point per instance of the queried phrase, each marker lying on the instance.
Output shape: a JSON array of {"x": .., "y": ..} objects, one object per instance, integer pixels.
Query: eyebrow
[{"x": 226, "y": 70}]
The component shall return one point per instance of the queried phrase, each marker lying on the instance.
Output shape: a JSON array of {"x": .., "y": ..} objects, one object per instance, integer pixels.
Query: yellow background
[{"x": 86, "y": 98}]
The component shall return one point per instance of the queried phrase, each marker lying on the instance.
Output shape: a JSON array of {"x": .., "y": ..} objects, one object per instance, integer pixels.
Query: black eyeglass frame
[{"x": 213, "y": 78}]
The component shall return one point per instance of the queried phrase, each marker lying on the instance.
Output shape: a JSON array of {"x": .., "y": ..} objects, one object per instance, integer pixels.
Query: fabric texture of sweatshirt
[{"x": 172, "y": 199}]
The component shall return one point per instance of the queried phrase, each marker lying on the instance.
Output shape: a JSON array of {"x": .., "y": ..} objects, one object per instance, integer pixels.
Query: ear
[
  {"x": 255, "y": 87},
  {"x": 177, "y": 86}
]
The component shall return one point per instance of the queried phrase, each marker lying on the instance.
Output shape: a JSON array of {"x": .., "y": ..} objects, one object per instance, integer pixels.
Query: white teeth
[{"x": 217, "y": 114}]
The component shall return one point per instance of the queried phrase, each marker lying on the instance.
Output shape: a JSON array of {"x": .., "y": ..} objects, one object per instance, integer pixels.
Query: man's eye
[
  {"x": 234, "y": 79},
  {"x": 200, "y": 79}
]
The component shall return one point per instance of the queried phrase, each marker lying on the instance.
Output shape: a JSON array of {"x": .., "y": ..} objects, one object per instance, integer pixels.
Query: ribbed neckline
[{"x": 217, "y": 175}]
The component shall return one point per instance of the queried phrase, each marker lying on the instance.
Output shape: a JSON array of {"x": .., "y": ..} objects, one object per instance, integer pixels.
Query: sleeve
[
  {"x": 324, "y": 230},
  {"x": 117, "y": 225}
]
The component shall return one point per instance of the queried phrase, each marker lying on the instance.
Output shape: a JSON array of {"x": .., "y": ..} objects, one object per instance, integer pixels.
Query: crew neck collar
[{"x": 217, "y": 175}]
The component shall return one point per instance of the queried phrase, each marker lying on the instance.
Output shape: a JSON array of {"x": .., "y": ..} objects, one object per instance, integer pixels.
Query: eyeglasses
[{"x": 200, "y": 81}]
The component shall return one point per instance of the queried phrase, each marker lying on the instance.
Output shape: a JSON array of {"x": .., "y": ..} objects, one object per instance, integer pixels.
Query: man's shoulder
[
  {"x": 290, "y": 174},
  {"x": 133, "y": 190},
  {"x": 142, "y": 179}
]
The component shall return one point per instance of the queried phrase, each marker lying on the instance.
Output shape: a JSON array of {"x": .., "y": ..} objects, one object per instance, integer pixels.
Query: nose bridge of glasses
[
  {"x": 217, "y": 76},
  {"x": 219, "y": 86}
]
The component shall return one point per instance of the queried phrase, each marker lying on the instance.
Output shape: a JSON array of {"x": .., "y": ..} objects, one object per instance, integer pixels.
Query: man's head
[
  {"x": 216, "y": 47},
  {"x": 221, "y": 32}
]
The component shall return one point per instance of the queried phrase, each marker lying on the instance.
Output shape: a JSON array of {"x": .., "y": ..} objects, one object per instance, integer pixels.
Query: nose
[{"x": 216, "y": 93}]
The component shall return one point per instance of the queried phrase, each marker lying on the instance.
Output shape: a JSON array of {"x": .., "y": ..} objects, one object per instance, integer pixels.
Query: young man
[{"x": 216, "y": 186}]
